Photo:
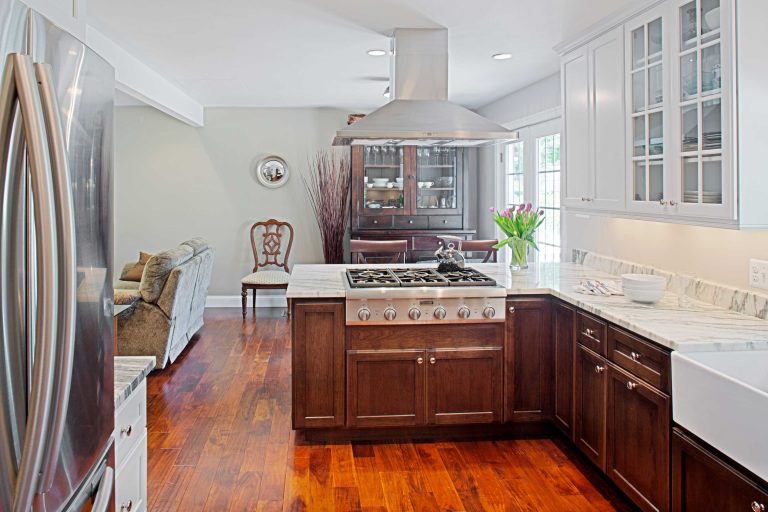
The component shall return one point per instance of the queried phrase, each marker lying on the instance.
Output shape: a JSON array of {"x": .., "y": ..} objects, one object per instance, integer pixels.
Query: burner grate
[
  {"x": 371, "y": 278},
  {"x": 415, "y": 277}
]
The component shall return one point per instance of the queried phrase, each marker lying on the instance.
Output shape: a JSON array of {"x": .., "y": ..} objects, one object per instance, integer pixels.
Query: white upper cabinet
[
  {"x": 593, "y": 106},
  {"x": 693, "y": 114}
]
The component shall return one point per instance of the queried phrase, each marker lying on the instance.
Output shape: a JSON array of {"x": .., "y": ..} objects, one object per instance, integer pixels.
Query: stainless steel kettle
[{"x": 450, "y": 250}]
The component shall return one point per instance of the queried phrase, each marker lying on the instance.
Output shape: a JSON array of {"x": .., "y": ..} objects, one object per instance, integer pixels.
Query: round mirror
[{"x": 272, "y": 172}]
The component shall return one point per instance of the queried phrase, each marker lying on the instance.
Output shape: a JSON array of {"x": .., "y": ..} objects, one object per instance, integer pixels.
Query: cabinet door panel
[
  {"x": 529, "y": 360},
  {"x": 565, "y": 343},
  {"x": 607, "y": 59},
  {"x": 577, "y": 178},
  {"x": 385, "y": 388},
  {"x": 318, "y": 364},
  {"x": 638, "y": 427},
  {"x": 702, "y": 481},
  {"x": 589, "y": 416},
  {"x": 465, "y": 386}
]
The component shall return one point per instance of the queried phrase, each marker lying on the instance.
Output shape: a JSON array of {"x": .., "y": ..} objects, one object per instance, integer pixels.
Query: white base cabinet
[{"x": 131, "y": 452}]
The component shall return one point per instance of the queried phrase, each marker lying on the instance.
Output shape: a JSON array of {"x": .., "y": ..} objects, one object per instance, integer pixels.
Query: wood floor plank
[{"x": 220, "y": 438}]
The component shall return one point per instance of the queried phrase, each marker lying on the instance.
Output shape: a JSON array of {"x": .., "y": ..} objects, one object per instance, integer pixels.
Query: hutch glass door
[
  {"x": 437, "y": 178},
  {"x": 383, "y": 178}
]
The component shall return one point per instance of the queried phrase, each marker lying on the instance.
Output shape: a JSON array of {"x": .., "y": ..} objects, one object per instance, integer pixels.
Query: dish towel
[{"x": 595, "y": 287}]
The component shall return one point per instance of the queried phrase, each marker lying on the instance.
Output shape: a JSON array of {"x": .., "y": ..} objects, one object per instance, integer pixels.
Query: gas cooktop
[{"x": 415, "y": 277}]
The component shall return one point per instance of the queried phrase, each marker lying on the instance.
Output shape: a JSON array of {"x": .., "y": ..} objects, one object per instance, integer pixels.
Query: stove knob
[
  {"x": 390, "y": 314},
  {"x": 364, "y": 314},
  {"x": 414, "y": 314},
  {"x": 489, "y": 312},
  {"x": 464, "y": 312},
  {"x": 440, "y": 313}
]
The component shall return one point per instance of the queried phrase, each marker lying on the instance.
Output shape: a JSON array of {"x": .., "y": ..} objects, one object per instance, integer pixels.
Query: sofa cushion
[
  {"x": 197, "y": 244},
  {"x": 157, "y": 269},
  {"x": 126, "y": 297},
  {"x": 127, "y": 285},
  {"x": 267, "y": 277},
  {"x": 134, "y": 271}
]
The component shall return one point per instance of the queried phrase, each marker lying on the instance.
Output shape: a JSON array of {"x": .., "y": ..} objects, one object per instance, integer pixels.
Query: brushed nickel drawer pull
[
  {"x": 432, "y": 360},
  {"x": 445, "y": 221},
  {"x": 634, "y": 355},
  {"x": 599, "y": 369},
  {"x": 631, "y": 385},
  {"x": 127, "y": 507},
  {"x": 375, "y": 221},
  {"x": 420, "y": 360},
  {"x": 127, "y": 431},
  {"x": 757, "y": 507},
  {"x": 590, "y": 332},
  {"x": 511, "y": 309},
  {"x": 410, "y": 221}
]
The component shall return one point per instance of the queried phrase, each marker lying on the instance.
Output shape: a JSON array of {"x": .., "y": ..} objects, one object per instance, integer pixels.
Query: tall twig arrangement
[{"x": 328, "y": 187}]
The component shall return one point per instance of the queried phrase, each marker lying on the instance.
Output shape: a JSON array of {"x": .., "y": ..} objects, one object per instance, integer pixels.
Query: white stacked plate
[{"x": 646, "y": 288}]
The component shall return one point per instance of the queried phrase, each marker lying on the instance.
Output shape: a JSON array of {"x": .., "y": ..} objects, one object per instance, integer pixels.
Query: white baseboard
[{"x": 235, "y": 301}]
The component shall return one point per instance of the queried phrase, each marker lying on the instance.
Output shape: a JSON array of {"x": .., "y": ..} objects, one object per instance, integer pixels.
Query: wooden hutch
[{"x": 413, "y": 193}]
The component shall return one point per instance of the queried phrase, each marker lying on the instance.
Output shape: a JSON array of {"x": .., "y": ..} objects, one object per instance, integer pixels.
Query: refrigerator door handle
[
  {"x": 19, "y": 83},
  {"x": 104, "y": 495},
  {"x": 67, "y": 299}
]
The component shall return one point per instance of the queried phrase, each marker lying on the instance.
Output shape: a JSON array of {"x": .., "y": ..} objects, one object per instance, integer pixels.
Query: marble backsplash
[{"x": 741, "y": 301}]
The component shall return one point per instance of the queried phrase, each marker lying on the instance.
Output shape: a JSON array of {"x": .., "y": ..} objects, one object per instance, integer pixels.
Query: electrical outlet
[{"x": 758, "y": 273}]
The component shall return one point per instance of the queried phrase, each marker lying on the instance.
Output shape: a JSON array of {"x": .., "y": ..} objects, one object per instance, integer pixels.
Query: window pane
[
  {"x": 688, "y": 81},
  {"x": 548, "y": 196},
  {"x": 712, "y": 132},
  {"x": 638, "y": 48},
  {"x": 638, "y": 91},
  {"x": 655, "y": 85},
  {"x": 656, "y": 133},
  {"x": 655, "y": 40},
  {"x": 639, "y": 181},
  {"x": 655, "y": 180},
  {"x": 712, "y": 180},
  {"x": 688, "y": 26},
  {"x": 710, "y": 68},
  {"x": 690, "y": 180}
]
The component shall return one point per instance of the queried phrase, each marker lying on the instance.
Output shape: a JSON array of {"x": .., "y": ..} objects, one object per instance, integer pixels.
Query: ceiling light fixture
[
  {"x": 386, "y": 92},
  {"x": 501, "y": 56},
  {"x": 377, "y": 53}
]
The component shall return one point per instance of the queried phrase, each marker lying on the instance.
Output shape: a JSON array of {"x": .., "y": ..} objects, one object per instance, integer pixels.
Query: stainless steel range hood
[{"x": 419, "y": 113}]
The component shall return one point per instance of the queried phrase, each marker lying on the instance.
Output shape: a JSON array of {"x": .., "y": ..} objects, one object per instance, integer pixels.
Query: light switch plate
[{"x": 758, "y": 273}]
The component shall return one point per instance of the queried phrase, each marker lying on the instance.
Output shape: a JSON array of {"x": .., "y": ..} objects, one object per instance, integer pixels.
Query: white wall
[
  {"x": 174, "y": 182},
  {"x": 510, "y": 110}
]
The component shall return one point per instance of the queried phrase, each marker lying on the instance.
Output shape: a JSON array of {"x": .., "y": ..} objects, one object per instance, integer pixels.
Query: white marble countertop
[
  {"x": 698, "y": 327},
  {"x": 129, "y": 372}
]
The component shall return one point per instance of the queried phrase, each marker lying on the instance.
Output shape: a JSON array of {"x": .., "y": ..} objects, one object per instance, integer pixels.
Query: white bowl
[
  {"x": 644, "y": 281},
  {"x": 369, "y": 185},
  {"x": 428, "y": 184},
  {"x": 644, "y": 296},
  {"x": 380, "y": 182},
  {"x": 398, "y": 180},
  {"x": 712, "y": 19}
]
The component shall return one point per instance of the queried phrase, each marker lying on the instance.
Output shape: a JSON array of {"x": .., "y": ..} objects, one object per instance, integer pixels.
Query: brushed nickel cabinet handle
[
  {"x": 590, "y": 332},
  {"x": 511, "y": 309},
  {"x": 127, "y": 431},
  {"x": 757, "y": 507},
  {"x": 634, "y": 355},
  {"x": 432, "y": 360},
  {"x": 375, "y": 222},
  {"x": 631, "y": 385},
  {"x": 420, "y": 360},
  {"x": 410, "y": 221},
  {"x": 127, "y": 507},
  {"x": 599, "y": 369}
]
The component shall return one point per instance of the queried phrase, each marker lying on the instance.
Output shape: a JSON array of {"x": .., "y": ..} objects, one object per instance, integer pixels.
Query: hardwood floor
[{"x": 220, "y": 439}]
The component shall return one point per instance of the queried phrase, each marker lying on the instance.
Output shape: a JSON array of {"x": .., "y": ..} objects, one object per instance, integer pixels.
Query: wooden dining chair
[
  {"x": 271, "y": 243},
  {"x": 486, "y": 246},
  {"x": 378, "y": 251}
]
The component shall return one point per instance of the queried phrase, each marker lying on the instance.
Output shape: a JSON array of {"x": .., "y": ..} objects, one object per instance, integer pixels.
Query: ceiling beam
[{"x": 135, "y": 78}]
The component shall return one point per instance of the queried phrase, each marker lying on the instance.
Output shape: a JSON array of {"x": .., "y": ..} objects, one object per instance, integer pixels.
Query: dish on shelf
[
  {"x": 380, "y": 182},
  {"x": 445, "y": 181},
  {"x": 712, "y": 19},
  {"x": 373, "y": 205},
  {"x": 426, "y": 184},
  {"x": 399, "y": 180},
  {"x": 369, "y": 185}
]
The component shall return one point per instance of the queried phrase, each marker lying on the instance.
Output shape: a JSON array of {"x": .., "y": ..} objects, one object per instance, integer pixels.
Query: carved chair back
[
  {"x": 486, "y": 246},
  {"x": 271, "y": 242},
  {"x": 375, "y": 251}
]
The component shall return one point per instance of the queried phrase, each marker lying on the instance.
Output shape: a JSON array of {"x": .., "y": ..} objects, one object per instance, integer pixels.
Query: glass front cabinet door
[
  {"x": 383, "y": 179},
  {"x": 648, "y": 184},
  {"x": 437, "y": 180}
]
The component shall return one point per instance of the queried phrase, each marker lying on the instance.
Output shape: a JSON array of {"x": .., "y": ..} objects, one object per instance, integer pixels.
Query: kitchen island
[{"x": 596, "y": 368}]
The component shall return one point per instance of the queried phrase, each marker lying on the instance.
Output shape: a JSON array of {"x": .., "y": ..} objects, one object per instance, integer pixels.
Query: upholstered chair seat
[{"x": 267, "y": 277}]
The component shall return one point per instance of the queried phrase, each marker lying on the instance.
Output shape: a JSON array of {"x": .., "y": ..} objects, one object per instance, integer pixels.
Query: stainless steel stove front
[{"x": 424, "y": 310}]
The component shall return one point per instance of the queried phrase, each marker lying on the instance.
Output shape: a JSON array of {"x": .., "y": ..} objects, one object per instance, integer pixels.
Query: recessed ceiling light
[
  {"x": 377, "y": 53},
  {"x": 501, "y": 56}
]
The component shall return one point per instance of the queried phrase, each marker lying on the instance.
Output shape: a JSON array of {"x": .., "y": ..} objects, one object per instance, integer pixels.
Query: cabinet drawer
[
  {"x": 130, "y": 422},
  {"x": 131, "y": 480},
  {"x": 639, "y": 358},
  {"x": 410, "y": 222},
  {"x": 445, "y": 222},
  {"x": 426, "y": 243},
  {"x": 375, "y": 222},
  {"x": 591, "y": 332}
]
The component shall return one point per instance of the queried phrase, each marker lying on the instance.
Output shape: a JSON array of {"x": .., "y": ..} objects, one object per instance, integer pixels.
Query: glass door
[
  {"x": 437, "y": 179},
  {"x": 647, "y": 119},
  {"x": 383, "y": 179},
  {"x": 703, "y": 180}
]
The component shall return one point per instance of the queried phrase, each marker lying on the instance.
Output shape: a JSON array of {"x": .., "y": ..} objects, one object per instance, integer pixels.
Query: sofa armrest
[{"x": 126, "y": 297}]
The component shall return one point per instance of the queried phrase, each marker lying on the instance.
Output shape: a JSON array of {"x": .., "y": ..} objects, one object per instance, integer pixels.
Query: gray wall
[
  {"x": 515, "y": 107},
  {"x": 173, "y": 182}
]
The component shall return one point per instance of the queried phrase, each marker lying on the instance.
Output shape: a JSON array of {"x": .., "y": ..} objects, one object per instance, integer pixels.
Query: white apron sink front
[{"x": 722, "y": 397}]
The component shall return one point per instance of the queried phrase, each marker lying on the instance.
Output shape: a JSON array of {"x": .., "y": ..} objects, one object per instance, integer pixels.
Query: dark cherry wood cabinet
[
  {"x": 465, "y": 385},
  {"x": 703, "y": 480},
  {"x": 564, "y": 341},
  {"x": 590, "y": 405},
  {"x": 386, "y": 388},
  {"x": 638, "y": 429},
  {"x": 412, "y": 193},
  {"x": 529, "y": 355},
  {"x": 318, "y": 363}
]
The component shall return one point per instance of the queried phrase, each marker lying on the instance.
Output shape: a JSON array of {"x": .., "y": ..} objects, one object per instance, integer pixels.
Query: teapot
[{"x": 449, "y": 250}]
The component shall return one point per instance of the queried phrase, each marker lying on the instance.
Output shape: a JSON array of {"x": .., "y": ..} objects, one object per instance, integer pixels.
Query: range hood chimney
[{"x": 419, "y": 113}]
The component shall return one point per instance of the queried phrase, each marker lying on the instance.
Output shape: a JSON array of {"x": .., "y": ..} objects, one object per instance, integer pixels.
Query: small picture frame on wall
[{"x": 272, "y": 172}]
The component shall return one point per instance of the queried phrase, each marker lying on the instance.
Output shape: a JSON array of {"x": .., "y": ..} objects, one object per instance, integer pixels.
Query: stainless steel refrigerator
[{"x": 56, "y": 334}]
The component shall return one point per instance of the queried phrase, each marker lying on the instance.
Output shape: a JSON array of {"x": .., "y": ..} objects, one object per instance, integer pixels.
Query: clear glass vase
[{"x": 519, "y": 258}]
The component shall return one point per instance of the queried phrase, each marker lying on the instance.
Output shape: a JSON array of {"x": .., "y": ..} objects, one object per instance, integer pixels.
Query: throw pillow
[{"x": 134, "y": 272}]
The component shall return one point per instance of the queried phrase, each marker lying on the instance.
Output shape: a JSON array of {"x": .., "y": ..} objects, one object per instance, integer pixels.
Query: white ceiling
[{"x": 288, "y": 53}]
